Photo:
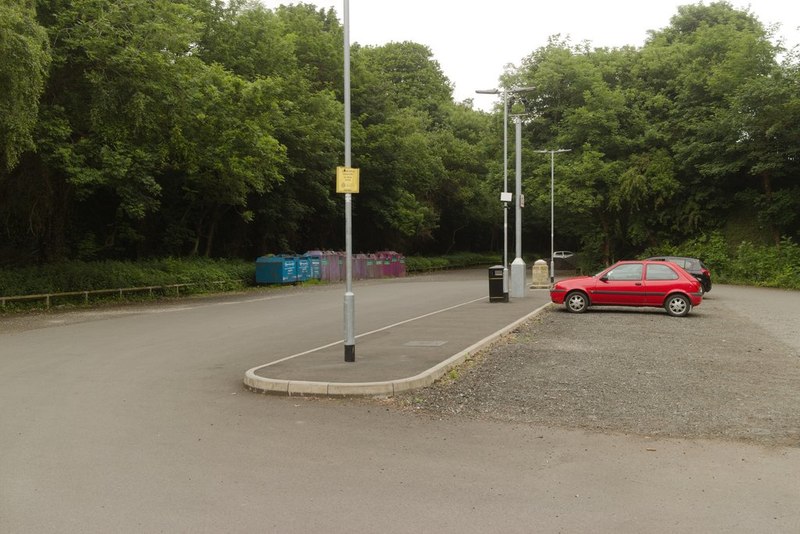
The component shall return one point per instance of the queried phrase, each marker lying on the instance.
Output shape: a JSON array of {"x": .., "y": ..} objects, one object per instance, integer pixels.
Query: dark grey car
[{"x": 693, "y": 266}]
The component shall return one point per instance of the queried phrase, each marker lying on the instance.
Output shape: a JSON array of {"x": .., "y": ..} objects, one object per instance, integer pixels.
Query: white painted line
[
  {"x": 367, "y": 333},
  {"x": 390, "y": 387}
]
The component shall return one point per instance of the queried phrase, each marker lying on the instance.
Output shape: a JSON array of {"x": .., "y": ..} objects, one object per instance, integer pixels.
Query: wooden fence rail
[{"x": 47, "y": 297}]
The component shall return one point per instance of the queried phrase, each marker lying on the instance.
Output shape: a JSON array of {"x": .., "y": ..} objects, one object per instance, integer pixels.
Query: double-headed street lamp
[
  {"x": 552, "y": 218},
  {"x": 517, "y": 276}
]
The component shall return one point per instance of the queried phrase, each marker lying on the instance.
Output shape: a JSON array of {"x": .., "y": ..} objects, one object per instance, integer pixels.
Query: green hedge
[
  {"x": 88, "y": 276},
  {"x": 745, "y": 263},
  {"x": 450, "y": 261}
]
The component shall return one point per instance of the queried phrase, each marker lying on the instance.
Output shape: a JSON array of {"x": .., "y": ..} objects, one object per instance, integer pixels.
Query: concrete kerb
[{"x": 260, "y": 384}]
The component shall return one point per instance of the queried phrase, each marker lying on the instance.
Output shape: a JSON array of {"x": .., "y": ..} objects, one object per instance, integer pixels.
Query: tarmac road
[{"x": 136, "y": 420}]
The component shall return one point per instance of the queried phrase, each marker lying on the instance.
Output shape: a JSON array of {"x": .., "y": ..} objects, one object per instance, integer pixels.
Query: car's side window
[
  {"x": 627, "y": 272},
  {"x": 660, "y": 272}
]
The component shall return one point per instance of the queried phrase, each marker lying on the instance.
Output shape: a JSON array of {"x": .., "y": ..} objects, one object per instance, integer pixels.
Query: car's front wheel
[
  {"x": 576, "y": 302},
  {"x": 677, "y": 305}
]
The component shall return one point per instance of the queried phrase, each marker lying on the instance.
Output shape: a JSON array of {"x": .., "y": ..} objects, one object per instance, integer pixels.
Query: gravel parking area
[{"x": 716, "y": 374}]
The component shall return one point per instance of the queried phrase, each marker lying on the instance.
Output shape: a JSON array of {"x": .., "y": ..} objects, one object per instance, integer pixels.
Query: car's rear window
[
  {"x": 691, "y": 264},
  {"x": 660, "y": 272}
]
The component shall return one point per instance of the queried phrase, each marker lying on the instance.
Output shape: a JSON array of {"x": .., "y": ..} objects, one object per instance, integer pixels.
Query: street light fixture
[
  {"x": 517, "y": 276},
  {"x": 552, "y": 218}
]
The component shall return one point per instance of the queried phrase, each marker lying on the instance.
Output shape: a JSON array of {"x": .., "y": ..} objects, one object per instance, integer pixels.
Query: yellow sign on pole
[{"x": 346, "y": 180}]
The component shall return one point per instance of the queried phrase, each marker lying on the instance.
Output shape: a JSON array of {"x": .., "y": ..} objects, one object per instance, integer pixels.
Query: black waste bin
[{"x": 496, "y": 293}]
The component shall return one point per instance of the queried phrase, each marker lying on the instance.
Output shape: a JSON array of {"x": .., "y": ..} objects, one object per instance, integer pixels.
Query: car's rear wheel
[
  {"x": 677, "y": 305},
  {"x": 576, "y": 302}
]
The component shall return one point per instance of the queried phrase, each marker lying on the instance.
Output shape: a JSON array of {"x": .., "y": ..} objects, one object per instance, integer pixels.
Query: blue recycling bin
[
  {"x": 276, "y": 270},
  {"x": 315, "y": 257},
  {"x": 304, "y": 268}
]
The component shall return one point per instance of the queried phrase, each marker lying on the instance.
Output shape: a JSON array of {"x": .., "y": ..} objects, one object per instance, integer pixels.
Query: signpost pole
[{"x": 349, "y": 297}]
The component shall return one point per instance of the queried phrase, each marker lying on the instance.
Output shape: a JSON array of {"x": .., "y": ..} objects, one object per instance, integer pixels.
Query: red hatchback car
[{"x": 632, "y": 283}]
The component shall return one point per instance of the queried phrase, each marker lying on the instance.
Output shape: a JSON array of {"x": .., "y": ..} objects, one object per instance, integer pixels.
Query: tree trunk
[
  {"x": 766, "y": 184},
  {"x": 49, "y": 210},
  {"x": 212, "y": 227},
  {"x": 453, "y": 239},
  {"x": 198, "y": 231},
  {"x": 606, "y": 241}
]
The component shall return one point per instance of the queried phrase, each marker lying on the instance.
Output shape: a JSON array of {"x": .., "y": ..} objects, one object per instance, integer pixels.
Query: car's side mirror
[{"x": 604, "y": 279}]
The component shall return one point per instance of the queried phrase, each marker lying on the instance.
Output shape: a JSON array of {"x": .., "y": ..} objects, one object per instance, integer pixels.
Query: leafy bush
[
  {"x": 746, "y": 263},
  {"x": 202, "y": 273},
  {"x": 769, "y": 266},
  {"x": 89, "y": 276},
  {"x": 713, "y": 250},
  {"x": 451, "y": 261}
]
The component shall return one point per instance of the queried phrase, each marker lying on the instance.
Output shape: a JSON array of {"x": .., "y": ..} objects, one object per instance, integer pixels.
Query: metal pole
[
  {"x": 349, "y": 297},
  {"x": 552, "y": 225},
  {"x": 505, "y": 190},
  {"x": 552, "y": 202},
  {"x": 518, "y": 266},
  {"x": 518, "y": 191}
]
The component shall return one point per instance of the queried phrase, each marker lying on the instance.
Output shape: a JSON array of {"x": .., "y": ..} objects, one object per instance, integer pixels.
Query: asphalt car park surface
[
  {"x": 730, "y": 370},
  {"x": 135, "y": 419}
]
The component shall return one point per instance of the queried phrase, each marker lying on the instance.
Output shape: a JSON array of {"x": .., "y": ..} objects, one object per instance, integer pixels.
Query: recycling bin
[
  {"x": 276, "y": 270},
  {"x": 303, "y": 268},
  {"x": 330, "y": 266},
  {"x": 374, "y": 266},
  {"x": 394, "y": 264},
  {"x": 315, "y": 256},
  {"x": 496, "y": 293},
  {"x": 359, "y": 266},
  {"x": 386, "y": 264},
  {"x": 341, "y": 259}
]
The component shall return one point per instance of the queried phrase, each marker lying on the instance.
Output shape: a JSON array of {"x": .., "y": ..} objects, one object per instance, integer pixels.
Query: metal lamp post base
[{"x": 517, "y": 289}]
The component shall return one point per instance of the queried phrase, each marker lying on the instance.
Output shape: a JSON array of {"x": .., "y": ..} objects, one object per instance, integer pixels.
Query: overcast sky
[{"x": 474, "y": 40}]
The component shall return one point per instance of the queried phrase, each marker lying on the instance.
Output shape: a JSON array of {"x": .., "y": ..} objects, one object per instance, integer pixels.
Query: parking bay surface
[
  {"x": 131, "y": 438},
  {"x": 725, "y": 371}
]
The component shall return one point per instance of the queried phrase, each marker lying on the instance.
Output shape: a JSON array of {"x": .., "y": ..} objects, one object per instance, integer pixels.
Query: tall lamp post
[
  {"x": 552, "y": 218},
  {"x": 518, "y": 265},
  {"x": 505, "y": 196},
  {"x": 349, "y": 297}
]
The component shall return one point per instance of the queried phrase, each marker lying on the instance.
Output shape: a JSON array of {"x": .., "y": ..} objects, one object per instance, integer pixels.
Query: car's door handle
[{"x": 638, "y": 283}]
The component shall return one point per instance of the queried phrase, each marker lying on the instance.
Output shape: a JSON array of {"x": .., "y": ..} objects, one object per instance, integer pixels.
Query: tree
[
  {"x": 222, "y": 149},
  {"x": 99, "y": 131},
  {"x": 403, "y": 104},
  {"x": 24, "y": 61},
  {"x": 296, "y": 50},
  {"x": 611, "y": 181},
  {"x": 761, "y": 126},
  {"x": 467, "y": 194},
  {"x": 695, "y": 67}
]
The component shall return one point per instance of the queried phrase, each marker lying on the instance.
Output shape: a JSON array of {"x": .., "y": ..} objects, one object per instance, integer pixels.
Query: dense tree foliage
[
  {"x": 668, "y": 141},
  {"x": 24, "y": 60},
  {"x": 149, "y": 128}
]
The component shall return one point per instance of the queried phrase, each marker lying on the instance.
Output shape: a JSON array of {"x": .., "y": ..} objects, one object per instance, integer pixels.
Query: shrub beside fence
[
  {"x": 82, "y": 282},
  {"x": 48, "y": 298}
]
